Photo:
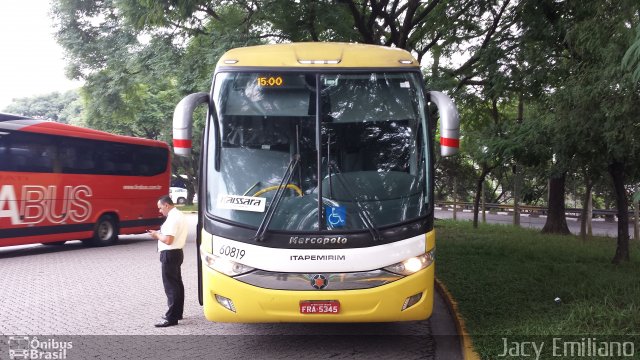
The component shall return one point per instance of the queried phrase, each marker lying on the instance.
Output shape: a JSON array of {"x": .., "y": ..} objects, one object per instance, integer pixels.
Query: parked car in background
[{"x": 179, "y": 195}]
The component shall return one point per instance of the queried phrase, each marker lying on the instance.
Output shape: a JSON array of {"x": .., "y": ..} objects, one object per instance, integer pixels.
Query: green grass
[
  {"x": 505, "y": 280},
  {"x": 187, "y": 207}
]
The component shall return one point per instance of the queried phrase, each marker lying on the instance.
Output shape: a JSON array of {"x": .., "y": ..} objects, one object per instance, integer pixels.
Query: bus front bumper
[{"x": 379, "y": 304}]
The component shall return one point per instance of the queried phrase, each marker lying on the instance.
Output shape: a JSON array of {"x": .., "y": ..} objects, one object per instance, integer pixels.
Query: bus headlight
[
  {"x": 412, "y": 265},
  {"x": 227, "y": 267}
]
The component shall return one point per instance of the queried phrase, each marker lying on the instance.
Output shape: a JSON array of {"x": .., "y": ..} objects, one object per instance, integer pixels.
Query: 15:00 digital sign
[{"x": 270, "y": 81}]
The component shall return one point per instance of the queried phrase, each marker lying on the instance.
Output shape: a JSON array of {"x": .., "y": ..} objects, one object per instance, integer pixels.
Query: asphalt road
[{"x": 104, "y": 302}]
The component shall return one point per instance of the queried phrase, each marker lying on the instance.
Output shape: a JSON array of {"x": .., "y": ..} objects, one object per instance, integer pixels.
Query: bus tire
[
  {"x": 181, "y": 201},
  {"x": 105, "y": 232}
]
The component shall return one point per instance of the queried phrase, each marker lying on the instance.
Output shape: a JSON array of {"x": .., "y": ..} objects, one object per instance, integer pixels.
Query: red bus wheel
[{"x": 105, "y": 232}]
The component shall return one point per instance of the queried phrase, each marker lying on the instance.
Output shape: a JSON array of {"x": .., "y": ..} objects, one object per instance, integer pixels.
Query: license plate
[{"x": 319, "y": 307}]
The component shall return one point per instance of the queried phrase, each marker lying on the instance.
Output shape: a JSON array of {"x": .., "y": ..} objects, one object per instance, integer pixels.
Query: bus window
[
  {"x": 31, "y": 153},
  {"x": 369, "y": 97},
  {"x": 4, "y": 152},
  {"x": 266, "y": 94},
  {"x": 150, "y": 161},
  {"x": 120, "y": 155}
]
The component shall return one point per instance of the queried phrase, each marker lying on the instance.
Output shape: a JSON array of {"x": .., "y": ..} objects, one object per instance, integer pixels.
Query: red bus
[{"x": 60, "y": 182}]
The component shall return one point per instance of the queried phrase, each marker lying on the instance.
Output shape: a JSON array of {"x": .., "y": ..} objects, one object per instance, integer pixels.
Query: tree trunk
[
  {"x": 476, "y": 201},
  {"x": 585, "y": 216},
  {"x": 590, "y": 214},
  {"x": 484, "y": 208},
  {"x": 636, "y": 222},
  {"x": 517, "y": 176},
  {"x": 455, "y": 199},
  {"x": 616, "y": 170},
  {"x": 516, "y": 195},
  {"x": 556, "y": 217}
]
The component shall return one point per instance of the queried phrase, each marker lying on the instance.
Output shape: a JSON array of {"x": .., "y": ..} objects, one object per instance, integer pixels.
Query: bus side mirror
[
  {"x": 449, "y": 123},
  {"x": 183, "y": 122}
]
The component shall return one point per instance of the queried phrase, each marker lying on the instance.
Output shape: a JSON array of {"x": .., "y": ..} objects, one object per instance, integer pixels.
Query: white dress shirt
[{"x": 176, "y": 225}]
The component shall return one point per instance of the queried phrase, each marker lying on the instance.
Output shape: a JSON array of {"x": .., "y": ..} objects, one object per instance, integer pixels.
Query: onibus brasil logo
[{"x": 25, "y": 347}]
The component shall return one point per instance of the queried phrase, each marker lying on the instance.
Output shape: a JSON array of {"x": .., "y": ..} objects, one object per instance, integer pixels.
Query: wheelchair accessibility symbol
[{"x": 336, "y": 216}]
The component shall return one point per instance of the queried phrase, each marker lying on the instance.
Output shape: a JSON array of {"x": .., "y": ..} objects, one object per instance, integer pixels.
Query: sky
[{"x": 31, "y": 61}]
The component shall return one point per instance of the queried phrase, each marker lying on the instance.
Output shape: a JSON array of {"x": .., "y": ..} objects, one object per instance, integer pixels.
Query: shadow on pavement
[{"x": 71, "y": 245}]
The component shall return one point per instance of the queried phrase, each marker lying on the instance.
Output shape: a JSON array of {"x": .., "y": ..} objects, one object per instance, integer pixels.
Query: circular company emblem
[{"x": 319, "y": 282}]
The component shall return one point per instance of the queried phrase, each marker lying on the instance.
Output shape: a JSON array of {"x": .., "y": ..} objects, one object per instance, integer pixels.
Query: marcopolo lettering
[{"x": 341, "y": 240}]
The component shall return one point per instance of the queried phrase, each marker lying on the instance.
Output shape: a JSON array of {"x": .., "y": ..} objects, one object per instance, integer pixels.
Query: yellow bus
[{"x": 316, "y": 184}]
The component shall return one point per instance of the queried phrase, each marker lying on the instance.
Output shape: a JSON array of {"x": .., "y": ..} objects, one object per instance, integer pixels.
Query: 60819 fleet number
[{"x": 232, "y": 251}]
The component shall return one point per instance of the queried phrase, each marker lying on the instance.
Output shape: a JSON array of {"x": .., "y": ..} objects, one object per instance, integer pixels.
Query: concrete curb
[{"x": 468, "y": 351}]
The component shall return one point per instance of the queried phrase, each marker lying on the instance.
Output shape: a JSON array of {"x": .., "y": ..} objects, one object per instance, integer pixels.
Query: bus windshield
[{"x": 359, "y": 140}]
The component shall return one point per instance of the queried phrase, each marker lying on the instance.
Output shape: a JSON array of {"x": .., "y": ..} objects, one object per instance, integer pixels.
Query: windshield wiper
[
  {"x": 288, "y": 174},
  {"x": 365, "y": 217}
]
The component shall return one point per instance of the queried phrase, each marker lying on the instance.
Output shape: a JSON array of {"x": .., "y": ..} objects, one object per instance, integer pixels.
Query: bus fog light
[
  {"x": 226, "y": 302},
  {"x": 411, "y": 300},
  {"x": 227, "y": 267},
  {"x": 412, "y": 265}
]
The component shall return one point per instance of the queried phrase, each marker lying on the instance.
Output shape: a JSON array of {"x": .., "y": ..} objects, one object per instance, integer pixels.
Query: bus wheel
[
  {"x": 104, "y": 233},
  {"x": 181, "y": 201},
  {"x": 55, "y": 243}
]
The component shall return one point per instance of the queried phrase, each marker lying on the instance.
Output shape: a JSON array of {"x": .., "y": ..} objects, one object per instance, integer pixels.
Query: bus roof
[
  {"x": 5, "y": 117},
  {"x": 21, "y": 123},
  {"x": 318, "y": 54}
]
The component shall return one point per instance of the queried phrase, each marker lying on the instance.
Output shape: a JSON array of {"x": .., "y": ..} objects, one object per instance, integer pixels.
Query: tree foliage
[
  {"x": 631, "y": 59},
  {"x": 545, "y": 88},
  {"x": 60, "y": 107},
  {"x": 591, "y": 98}
]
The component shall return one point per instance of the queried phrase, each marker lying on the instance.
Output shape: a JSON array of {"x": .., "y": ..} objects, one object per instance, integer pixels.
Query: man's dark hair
[{"x": 166, "y": 199}]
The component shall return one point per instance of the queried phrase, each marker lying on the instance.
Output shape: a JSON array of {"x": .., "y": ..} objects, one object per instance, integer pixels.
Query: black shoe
[
  {"x": 166, "y": 323},
  {"x": 164, "y": 317}
]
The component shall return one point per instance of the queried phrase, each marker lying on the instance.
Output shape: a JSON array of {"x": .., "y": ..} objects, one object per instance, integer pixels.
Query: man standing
[{"x": 171, "y": 239}]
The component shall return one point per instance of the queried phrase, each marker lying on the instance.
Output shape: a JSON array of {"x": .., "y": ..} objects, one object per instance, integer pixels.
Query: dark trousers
[{"x": 172, "y": 281}]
